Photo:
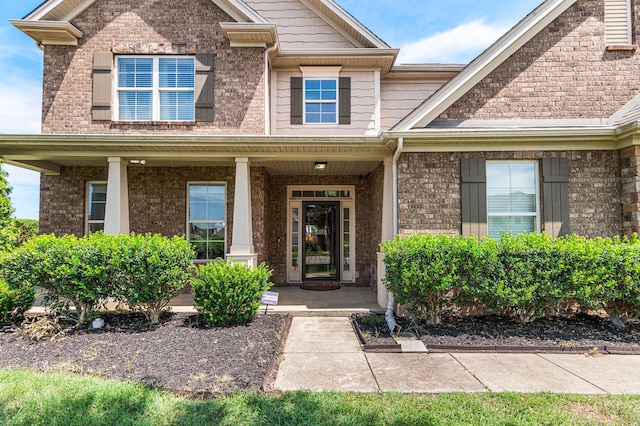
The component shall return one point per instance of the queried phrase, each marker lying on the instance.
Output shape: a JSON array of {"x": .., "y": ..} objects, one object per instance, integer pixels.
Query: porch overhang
[
  {"x": 47, "y": 153},
  {"x": 586, "y": 138}
]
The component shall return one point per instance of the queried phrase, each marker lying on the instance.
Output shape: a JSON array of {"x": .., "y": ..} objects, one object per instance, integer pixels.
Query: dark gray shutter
[
  {"x": 555, "y": 191},
  {"x": 296, "y": 100},
  {"x": 101, "y": 103},
  {"x": 204, "y": 86},
  {"x": 344, "y": 108},
  {"x": 474, "y": 196}
]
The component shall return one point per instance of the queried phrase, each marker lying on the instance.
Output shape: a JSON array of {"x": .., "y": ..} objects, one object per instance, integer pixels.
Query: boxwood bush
[
  {"x": 14, "y": 302},
  {"x": 432, "y": 273},
  {"x": 144, "y": 271},
  {"x": 522, "y": 276},
  {"x": 229, "y": 293},
  {"x": 147, "y": 270}
]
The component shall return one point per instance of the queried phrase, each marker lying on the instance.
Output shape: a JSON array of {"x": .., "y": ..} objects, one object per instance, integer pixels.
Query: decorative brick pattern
[
  {"x": 151, "y": 27},
  {"x": 563, "y": 72},
  {"x": 429, "y": 193}
]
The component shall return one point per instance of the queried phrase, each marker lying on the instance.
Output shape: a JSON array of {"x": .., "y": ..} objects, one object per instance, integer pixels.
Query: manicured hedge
[
  {"x": 143, "y": 271},
  {"x": 229, "y": 293},
  {"x": 521, "y": 276}
]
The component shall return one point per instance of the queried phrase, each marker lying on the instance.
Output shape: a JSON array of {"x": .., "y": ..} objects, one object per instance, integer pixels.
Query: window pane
[
  {"x": 135, "y": 106},
  {"x": 95, "y": 227},
  {"x": 97, "y": 201},
  {"x": 511, "y": 188},
  {"x": 514, "y": 224},
  {"x": 207, "y": 205}
]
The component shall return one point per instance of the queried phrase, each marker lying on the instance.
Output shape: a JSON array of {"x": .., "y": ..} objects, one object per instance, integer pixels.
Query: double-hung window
[
  {"x": 512, "y": 197},
  {"x": 96, "y": 206},
  {"x": 206, "y": 219},
  {"x": 320, "y": 101},
  {"x": 156, "y": 88}
]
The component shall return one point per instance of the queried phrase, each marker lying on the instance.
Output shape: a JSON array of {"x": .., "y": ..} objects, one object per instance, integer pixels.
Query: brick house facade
[{"x": 304, "y": 144}]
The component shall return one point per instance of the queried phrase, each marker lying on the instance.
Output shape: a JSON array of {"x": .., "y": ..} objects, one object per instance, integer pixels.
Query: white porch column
[
  {"x": 387, "y": 227},
  {"x": 116, "y": 218},
  {"x": 242, "y": 250}
]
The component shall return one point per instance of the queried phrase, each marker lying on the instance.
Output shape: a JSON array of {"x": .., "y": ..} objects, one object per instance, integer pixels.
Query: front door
[{"x": 321, "y": 244}]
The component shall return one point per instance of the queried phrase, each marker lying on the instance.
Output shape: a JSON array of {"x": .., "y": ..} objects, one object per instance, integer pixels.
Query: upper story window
[
  {"x": 96, "y": 206},
  {"x": 322, "y": 95},
  {"x": 155, "y": 88},
  {"x": 320, "y": 101},
  {"x": 512, "y": 197}
]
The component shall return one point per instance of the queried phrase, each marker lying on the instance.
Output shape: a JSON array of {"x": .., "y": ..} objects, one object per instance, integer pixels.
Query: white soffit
[{"x": 484, "y": 64}]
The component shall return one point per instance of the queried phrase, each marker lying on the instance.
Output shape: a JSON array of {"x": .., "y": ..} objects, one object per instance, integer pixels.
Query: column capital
[{"x": 242, "y": 160}]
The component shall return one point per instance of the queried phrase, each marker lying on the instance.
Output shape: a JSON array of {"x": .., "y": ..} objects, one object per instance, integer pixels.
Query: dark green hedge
[{"x": 521, "y": 276}]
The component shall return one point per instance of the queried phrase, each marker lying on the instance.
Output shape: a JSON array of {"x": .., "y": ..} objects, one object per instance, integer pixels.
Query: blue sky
[{"x": 432, "y": 31}]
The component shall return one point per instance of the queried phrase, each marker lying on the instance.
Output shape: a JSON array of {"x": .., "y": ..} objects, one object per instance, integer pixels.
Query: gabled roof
[
  {"x": 484, "y": 64},
  {"x": 50, "y": 23}
]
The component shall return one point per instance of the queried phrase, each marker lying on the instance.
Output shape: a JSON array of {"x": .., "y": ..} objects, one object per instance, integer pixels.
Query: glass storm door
[{"x": 321, "y": 241}]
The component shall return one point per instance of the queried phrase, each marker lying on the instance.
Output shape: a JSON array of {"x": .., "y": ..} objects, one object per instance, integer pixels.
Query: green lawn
[{"x": 29, "y": 398}]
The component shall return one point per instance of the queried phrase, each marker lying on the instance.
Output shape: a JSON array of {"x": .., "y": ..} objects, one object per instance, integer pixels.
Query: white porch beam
[
  {"x": 242, "y": 249},
  {"x": 116, "y": 219}
]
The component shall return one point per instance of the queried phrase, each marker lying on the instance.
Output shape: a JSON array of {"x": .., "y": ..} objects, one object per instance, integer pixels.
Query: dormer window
[
  {"x": 617, "y": 23},
  {"x": 155, "y": 88}
]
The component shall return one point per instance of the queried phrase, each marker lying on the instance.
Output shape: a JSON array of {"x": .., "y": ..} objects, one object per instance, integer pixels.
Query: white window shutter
[{"x": 617, "y": 22}]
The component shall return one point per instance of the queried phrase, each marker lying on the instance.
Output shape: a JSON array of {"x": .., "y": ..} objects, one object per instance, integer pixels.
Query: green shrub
[
  {"x": 147, "y": 270},
  {"x": 430, "y": 273},
  {"x": 14, "y": 302},
  {"x": 527, "y": 282},
  {"x": 69, "y": 268},
  {"x": 227, "y": 293}
]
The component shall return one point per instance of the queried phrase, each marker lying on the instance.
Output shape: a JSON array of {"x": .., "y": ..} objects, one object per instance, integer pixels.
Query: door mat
[{"x": 320, "y": 287}]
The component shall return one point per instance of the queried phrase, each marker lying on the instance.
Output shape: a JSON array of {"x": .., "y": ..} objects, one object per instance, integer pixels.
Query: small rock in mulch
[
  {"x": 180, "y": 354},
  {"x": 580, "y": 330}
]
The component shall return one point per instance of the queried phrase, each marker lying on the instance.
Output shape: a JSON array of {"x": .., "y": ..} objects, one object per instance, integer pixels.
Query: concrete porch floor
[
  {"x": 298, "y": 301},
  {"x": 291, "y": 300}
]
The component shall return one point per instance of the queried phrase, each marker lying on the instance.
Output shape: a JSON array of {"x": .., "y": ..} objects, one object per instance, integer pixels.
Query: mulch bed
[
  {"x": 181, "y": 354},
  {"x": 578, "y": 333}
]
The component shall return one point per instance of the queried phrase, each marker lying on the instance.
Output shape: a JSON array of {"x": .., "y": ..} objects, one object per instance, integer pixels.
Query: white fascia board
[
  {"x": 42, "y": 10},
  {"x": 484, "y": 64},
  {"x": 350, "y": 20},
  {"x": 240, "y": 11}
]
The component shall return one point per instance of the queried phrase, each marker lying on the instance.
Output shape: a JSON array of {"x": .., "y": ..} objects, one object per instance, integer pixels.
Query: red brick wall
[
  {"x": 563, "y": 72},
  {"x": 429, "y": 191},
  {"x": 149, "y": 26}
]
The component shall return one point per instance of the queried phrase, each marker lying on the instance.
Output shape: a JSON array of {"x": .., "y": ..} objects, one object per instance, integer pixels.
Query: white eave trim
[
  {"x": 242, "y": 34},
  {"x": 484, "y": 64},
  {"x": 49, "y": 32},
  {"x": 351, "y": 21},
  {"x": 240, "y": 11}
]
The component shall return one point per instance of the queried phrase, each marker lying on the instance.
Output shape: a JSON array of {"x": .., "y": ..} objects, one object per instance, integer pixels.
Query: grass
[{"x": 59, "y": 398}]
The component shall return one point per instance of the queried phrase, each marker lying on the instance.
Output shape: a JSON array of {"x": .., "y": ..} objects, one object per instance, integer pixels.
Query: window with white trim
[
  {"x": 206, "y": 217},
  {"x": 320, "y": 101},
  {"x": 152, "y": 88},
  {"x": 513, "y": 196},
  {"x": 96, "y": 206}
]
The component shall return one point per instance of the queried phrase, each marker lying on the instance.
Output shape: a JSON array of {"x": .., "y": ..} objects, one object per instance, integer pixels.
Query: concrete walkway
[{"x": 323, "y": 353}]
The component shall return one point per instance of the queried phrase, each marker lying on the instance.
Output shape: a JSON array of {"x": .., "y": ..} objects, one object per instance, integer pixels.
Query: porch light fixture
[
  {"x": 320, "y": 165},
  {"x": 138, "y": 162}
]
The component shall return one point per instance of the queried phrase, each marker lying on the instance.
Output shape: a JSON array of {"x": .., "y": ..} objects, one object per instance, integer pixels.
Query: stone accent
[
  {"x": 429, "y": 191},
  {"x": 152, "y": 27},
  {"x": 563, "y": 72},
  {"x": 630, "y": 161},
  {"x": 368, "y": 221}
]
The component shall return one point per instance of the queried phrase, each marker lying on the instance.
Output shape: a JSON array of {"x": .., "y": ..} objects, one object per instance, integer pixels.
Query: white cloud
[
  {"x": 20, "y": 104},
  {"x": 458, "y": 45}
]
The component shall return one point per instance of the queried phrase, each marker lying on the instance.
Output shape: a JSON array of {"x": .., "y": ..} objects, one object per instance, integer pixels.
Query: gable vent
[{"x": 617, "y": 22}]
